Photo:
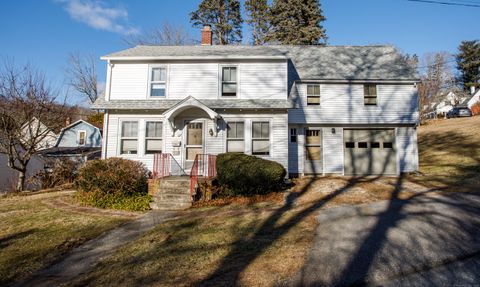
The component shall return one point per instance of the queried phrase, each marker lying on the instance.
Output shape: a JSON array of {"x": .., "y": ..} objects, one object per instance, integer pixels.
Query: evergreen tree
[
  {"x": 224, "y": 16},
  {"x": 468, "y": 63},
  {"x": 297, "y": 22},
  {"x": 258, "y": 19}
]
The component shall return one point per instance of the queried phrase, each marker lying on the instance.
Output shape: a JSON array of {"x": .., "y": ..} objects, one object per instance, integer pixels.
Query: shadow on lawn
[{"x": 7, "y": 240}]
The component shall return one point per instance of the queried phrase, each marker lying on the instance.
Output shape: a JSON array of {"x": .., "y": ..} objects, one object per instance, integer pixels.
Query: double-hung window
[
  {"x": 158, "y": 82},
  {"x": 235, "y": 137},
  {"x": 153, "y": 137},
  {"x": 82, "y": 135},
  {"x": 313, "y": 95},
  {"x": 129, "y": 137},
  {"x": 229, "y": 81},
  {"x": 260, "y": 138},
  {"x": 370, "y": 94}
]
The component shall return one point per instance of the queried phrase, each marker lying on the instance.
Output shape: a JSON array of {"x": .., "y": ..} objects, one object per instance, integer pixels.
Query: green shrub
[
  {"x": 113, "y": 183},
  {"x": 242, "y": 174}
]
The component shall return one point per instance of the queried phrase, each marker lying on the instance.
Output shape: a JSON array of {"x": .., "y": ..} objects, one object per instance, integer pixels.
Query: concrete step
[
  {"x": 169, "y": 205},
  {"x": 168, "y": 197},
  {"x": 175, "y": 184},
  {"x": 173, "y": 190}
]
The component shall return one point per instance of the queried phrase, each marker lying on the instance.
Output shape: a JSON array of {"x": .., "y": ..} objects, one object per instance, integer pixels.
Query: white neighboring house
[
  {"x": 9, "y": 176},
  {"x": 475, "y": 99},
  {"x": 315, "y": 110}
]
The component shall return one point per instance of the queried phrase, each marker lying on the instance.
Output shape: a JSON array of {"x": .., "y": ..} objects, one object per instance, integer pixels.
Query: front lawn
[
  {"x": 449, "y": 152},
  {"x": 33, "y": 233}
]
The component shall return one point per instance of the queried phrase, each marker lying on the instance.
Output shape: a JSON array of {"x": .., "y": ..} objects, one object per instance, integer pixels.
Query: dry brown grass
[
  {"x": 33, "y": 233},
  {"x": 449, "y": 152}
]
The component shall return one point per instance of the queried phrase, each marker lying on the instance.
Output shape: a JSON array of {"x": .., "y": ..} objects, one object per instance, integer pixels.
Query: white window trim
[
  {"x": 270, "y": 133},
  {"x": 244, "y": 132},
  {"x": 120, "y": 138},
  {"x": 220, "y": 81},
  {"x": 145, "y": 138},
  {"x": 149, "y": 88},
  {"x": 319, "y": 96},
  {"x": 84, "y": 139}
]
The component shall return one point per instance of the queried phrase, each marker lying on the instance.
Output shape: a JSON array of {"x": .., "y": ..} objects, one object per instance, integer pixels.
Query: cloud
[{"x": 97, "y": 15}]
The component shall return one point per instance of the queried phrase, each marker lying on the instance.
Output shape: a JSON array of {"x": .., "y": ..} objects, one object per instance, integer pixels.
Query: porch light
[
  {"x": 210, "y": 132},
  {"x": 333, "y": 131}
]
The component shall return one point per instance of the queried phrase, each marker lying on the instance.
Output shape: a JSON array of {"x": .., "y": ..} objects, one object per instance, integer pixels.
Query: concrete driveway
[{"x": 422, "y": 241}]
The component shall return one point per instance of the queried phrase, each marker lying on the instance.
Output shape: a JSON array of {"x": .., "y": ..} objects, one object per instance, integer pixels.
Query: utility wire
[{"x": 464, "y": 4}]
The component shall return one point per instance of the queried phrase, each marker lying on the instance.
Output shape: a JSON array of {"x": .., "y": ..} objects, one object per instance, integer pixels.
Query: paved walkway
[
  {"x": 83, "y": 258},
  {"x": 423, "y": 241}
]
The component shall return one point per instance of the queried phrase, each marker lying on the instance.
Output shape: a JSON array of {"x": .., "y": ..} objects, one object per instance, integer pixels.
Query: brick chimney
[{"x": 206, "y": 35}]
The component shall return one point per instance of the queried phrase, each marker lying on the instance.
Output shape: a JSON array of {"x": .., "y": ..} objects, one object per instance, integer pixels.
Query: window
[
  {"x": 229, "y": 81},
  {"x": 82, "y": 135},
  {"x": 370, "y": 94},
  {"x": 313, "y": 95},
  {"x": 374, "y": 145},
  {"x": 129, "y": 140},
  {"x": 158, "y": 82},
  {"x": 387, "y": 145},
  {"x": 350, "y": 145},
  {"x": 153, "y": 137},
  {"x": 261, "y": 138},
  {"x": 362, "y": 145},
  {"x": 293, "y": 135},
  {"x": 235, "y": 137}
]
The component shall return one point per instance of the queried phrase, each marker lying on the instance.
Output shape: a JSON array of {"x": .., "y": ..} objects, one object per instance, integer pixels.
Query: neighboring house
[
  {"x": 449, "y": 101},
  {"x": 78, "y": 141},
  {"x": 474, "y": 99},
  {"x": 315, "y": 110},
  {"x": 37, "y": 127}
]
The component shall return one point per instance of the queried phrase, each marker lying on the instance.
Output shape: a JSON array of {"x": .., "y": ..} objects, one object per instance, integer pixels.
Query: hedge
[{"x": 242, "y": 174}]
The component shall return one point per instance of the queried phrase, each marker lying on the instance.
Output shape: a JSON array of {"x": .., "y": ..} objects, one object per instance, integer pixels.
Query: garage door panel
[{"x": 369, "y": 152}]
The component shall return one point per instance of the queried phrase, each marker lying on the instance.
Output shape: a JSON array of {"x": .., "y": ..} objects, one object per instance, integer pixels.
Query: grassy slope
[
  {"x": 449, "y": 152},
  {"x": 32, "y": 234}
]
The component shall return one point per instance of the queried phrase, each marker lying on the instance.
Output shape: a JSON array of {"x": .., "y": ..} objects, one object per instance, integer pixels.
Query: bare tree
[
  {"x": 29, "y": 111},
  {"x": 82, "y": 75},
  {"x": 437, "y": 77},
  {"x": 166, "y": 34}
]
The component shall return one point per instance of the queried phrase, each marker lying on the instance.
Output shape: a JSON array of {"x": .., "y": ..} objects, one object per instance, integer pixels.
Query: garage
[{"x": 369, "y": 151}]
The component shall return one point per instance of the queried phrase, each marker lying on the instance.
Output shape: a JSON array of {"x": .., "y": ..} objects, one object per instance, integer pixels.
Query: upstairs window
[
  {"x": 235, "y": 137},
  {"x": 370, "y": 94},
  {"x": 129, "y": 138},
  {"x": 293, "y": 135},
  {"x": 158, "y": 82},
  {"x": 229, "y": 81},
  {"x": 153, "y": 137},
  {"x": 81, "y": 137},
  {"x": 261, "y": 138},
  {"x": 313, "y": 95}
]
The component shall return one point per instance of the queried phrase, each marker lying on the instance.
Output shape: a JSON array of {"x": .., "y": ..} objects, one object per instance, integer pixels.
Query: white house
[
  {"x": 475, "y": 99},
  {"x": 316, "y": 110}
]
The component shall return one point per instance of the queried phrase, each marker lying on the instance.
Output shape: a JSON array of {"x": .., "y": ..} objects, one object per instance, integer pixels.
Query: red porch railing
[
  {"x": 164, "y": 164},
  {"x": 204, "y": 165}
]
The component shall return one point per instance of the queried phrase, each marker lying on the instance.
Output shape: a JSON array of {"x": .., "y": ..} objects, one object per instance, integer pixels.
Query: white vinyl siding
[
  {"x": 344, "y": 104},
  {"x": 332, "y": 151},
  {"x": 202, "y": 80},
  {"x": 407, "y": 149}
]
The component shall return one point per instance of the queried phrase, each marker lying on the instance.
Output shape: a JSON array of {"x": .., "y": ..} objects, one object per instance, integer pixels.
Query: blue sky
[{"x": 43, "y": 33}]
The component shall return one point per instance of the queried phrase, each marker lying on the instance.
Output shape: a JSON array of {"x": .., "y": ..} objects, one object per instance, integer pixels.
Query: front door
[
  {"x": 313, "y": 151},
  {"x": 194, "y": 137}
]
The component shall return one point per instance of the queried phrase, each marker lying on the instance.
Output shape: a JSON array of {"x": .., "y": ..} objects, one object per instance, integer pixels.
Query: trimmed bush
[
  {"x": 113, "y": 183},
  {"x": 242, "y": 174}
]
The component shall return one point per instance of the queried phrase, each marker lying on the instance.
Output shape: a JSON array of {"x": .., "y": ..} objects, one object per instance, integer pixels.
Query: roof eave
[{"x": 163, "y": 58}]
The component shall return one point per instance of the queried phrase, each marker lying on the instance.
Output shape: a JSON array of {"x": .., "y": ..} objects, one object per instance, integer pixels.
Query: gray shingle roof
[
  {"x": 100, "y": 103},
  {"x": 309, "y": 62}
]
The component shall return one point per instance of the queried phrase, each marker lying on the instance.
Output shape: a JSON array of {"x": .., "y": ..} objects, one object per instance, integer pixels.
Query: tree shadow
[{"x": 10, "y": 239}]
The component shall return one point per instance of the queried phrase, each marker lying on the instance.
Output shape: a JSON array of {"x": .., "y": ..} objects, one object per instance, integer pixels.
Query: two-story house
[{"x": 316, "y": 110}]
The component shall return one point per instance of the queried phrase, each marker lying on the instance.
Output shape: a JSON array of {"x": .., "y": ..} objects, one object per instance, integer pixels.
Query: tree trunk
[{"x": 21, "y": 181}]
